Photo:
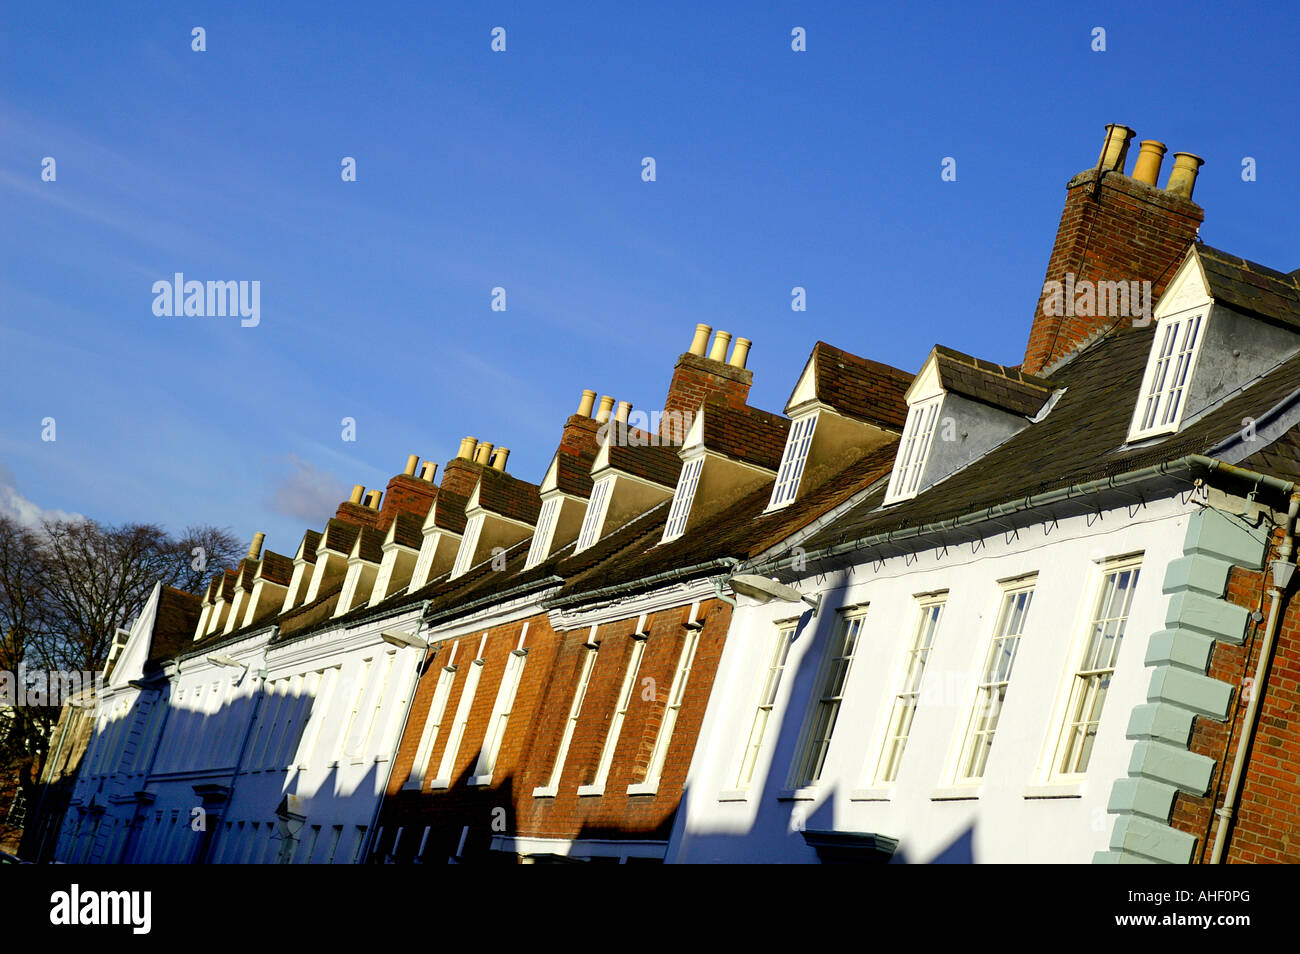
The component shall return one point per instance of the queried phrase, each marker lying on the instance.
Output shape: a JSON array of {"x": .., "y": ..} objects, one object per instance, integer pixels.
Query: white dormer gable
[
  {"x": 560, "y": 520},
  {"x": 130, "y": 662},
  {"x": 1182, "y": 316},
  {"x": 805, "y": 388},
  {"x": 616, "y": 498},
  {"x": 709, "y": 481}
]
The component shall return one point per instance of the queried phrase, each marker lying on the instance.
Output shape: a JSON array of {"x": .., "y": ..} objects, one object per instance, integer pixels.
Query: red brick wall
[
  {"x": 406, "y": 495},
  {"x": 1266, "y": 825},
  {"x": 696, "y": 379},
  {"x": 533, "y": 736},
  {"x": 1131, "y": 232},
  {"x": 357, "y": 515}
]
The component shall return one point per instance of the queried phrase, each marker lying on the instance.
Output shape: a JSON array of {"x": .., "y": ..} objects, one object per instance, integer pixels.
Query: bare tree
[{"x": 65, "y": 591}]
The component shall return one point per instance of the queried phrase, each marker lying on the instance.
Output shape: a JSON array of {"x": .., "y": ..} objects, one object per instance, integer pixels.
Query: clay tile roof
[
  {"x": 407, "y": 530},
  {"x": 310, "y": 541},
  {"x": 276, "y": 568},
  {"x": 449, "y": 511},
  {"x": 573, "y": 475},
  {"x": 745, "y": 433},
  {"x": 173, "y": 628},
  {"x": 228, "y": 584},
  {"x": 657, "y": 464},
  {"x": 860, "y": 388},
  {"x": 508, "y": 496},
  {"x": 371, "y": 546},
  {"x": 1252, "y": 288},
  {"x": 1007, "y": 388},
  {"x": 339, "y": 536},
  {"x": 245, "y": 575}
]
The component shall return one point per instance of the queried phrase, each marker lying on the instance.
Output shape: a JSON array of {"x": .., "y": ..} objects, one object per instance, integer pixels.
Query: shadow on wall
[
  {"x": 783, "y": 830},
  {"x": 155, "y": 799}
]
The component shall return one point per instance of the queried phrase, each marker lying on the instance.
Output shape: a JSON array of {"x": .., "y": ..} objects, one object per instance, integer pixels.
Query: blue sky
[{"x": 522, "y": 170}]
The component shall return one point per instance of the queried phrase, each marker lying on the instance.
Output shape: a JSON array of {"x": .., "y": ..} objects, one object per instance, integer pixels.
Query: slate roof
[
  {"x": 860, "y": 388},
  {"x": 1281, "y": 458},
  {"x": 1252, "y": 288},
  {"x": 1081, "y": 439},
  {"x": 1007, "y": 388}
]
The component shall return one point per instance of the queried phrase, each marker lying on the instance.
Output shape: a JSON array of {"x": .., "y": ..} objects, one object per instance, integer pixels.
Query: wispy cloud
[
  {"x": 16, "y": 506},
  {"x": 307, "y": 493}
]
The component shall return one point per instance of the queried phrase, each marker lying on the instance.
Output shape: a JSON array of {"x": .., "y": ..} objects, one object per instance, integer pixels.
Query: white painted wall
[{"x": 1012, "y": 816}]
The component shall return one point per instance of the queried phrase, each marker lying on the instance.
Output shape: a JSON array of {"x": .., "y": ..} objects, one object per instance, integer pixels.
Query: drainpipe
[
  {"x": 406, "y": 718},
  {"x": 1281, "y": 571}
]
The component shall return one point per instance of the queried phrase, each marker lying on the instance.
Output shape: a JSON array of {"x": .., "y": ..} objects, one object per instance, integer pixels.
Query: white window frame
[
  {"x": 432, "y": 725},
  {"x": 1171, "y": 364},
  {"x": 773, "y": 671},
  {"x": 607, "y": 748},
  {"x": 468, "y": 544},
  {"x": 540, "y": 547},
  {"x": 380, "y": 698},
  {"x": 594, "y": 518},
  {"x": 571, "y": 722},
  {"x": 909, "y": 683},
  {"x": 463, "y": 709},
  {"x": 500, "y": 718},
  {"x": 914, "y": 450},
  {"x": 824, "y": 706},
  {"x": 676, "y": 696},
  {"x": 793, "y": 460},
  {"x": 683, "y": 497},
  {"x": 1094, "y": 668},
  {"x": 1015, "y": 600}
]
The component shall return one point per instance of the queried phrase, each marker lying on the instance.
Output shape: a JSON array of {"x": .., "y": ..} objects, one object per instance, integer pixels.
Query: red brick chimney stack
[
  {"x": 1114, "y": 228},
  {"x": 696, "y": 378}
]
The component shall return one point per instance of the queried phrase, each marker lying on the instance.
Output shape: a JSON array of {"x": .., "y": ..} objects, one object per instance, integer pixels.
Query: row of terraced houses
[{"x": 1003, "y": 614}]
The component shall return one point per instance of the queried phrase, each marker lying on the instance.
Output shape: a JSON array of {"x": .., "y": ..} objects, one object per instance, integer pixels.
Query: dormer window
[
  {"x": 468, "y": 546},
  {"x": 913, "y": 450},
  {"x": 1168, "y": 372},
  {"x": 541, "y": 545},
  {"x": 792, "y": 461},
  {"x": 595, "y": 517},
  {"x": 682, "y": 499}
]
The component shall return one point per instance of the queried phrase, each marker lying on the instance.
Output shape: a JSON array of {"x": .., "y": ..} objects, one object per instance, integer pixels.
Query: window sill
[
  {"x": 480, "y": 780},
  {"x": 956, "y": 793},
  {"x": 545, "y": 791},
  {"x": 1055, "y": 790},
  {"x": 588, "y": 790},
  {"x": 806, "y": 794},
  {"x": 735, "y": 795},
  {"x": 871, "y": 795},
  {"x": 643, "y": 788},
  {"x": 438, "y": 783}
]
